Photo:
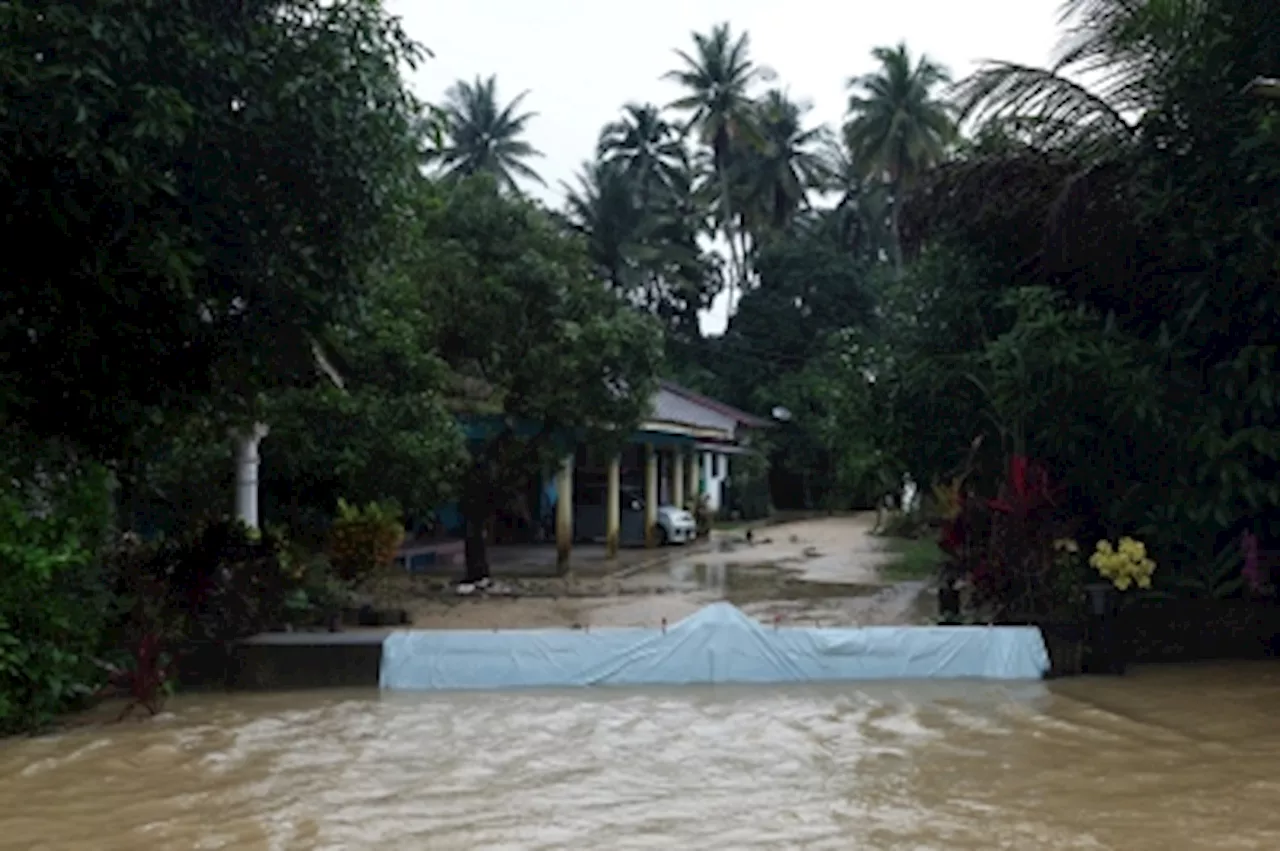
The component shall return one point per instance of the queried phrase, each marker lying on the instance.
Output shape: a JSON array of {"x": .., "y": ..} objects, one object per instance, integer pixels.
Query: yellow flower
[
  {"x": 1066, "y": 545},
  {"x": 1125, "y": 565}
]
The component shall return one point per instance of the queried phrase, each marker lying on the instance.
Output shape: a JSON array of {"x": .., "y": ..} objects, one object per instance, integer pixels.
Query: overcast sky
[{"x": 581, "y": 60}]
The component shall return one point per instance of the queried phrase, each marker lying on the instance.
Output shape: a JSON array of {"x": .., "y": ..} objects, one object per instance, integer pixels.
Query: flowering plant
[{"x": 1125, "y": 564}]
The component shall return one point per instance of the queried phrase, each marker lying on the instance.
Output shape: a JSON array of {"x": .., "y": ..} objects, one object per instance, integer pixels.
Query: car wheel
[{"x": 663, "y": 538}]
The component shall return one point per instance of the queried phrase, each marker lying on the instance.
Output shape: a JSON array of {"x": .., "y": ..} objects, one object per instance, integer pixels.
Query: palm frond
[{"x": 1007, "y": 89}]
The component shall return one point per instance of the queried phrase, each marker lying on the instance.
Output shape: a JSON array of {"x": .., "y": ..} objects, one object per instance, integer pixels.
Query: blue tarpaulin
[{"x": 719, "y": 644}]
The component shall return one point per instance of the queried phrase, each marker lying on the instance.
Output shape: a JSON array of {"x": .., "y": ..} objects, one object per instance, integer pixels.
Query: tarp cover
[{"x": 718, "y": 644}]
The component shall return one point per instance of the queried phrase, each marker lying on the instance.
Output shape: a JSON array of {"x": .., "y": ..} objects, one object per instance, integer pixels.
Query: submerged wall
[{"x": 718, "y": 645}]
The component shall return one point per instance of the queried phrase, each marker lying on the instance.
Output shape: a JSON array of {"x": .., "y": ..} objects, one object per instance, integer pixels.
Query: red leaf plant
[
  {"x": 1023, "y": 526},
  {"x": 145, "y": 682},
  {"x": 1026, "y": 489}
]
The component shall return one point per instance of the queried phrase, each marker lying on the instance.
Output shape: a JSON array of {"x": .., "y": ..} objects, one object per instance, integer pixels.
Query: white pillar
[
  {"x": 613, "y": 508},
  {"x": 693, "y": 487},
  {"x": 677, "y": 477},
  {"x": 650, "y": 496},
  {"x": 247, "y": 461},
  {"x": 564, "y": 513}
]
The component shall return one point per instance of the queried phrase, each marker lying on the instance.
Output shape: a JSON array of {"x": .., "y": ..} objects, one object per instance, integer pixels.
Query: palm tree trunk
[
  {"x": 736, "y": 238},
  {"x": 895, "y": 227}
]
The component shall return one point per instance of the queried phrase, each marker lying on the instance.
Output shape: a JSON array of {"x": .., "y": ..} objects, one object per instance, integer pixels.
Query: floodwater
[
  {"x": 1168, "y": 759},
  {"x": 821, "y": 572}
]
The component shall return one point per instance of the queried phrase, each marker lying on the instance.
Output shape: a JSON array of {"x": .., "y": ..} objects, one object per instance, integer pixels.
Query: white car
[{"x": 676, "y": 526}]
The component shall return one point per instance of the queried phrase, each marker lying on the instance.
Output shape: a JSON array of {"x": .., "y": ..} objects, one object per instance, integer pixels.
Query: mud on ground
[{"x": 822, "y": 572}]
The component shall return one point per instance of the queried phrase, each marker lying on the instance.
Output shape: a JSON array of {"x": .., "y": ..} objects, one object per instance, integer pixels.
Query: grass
[{"x": 913, "y": 560}]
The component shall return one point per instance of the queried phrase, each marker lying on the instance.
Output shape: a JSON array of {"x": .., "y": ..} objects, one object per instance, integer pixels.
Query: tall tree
[
  {"x": 604, "y": 209},
  {"x": 647, "y": 149},
  {"x": 1124, "y": 50},
  {"x": 898, "y": 125},
  {"x": 483, "y": 135},
  {"x": 207, "y": 190},
  {"x": 531, "y": 326},
  {"x": 649, "y": 253},
  {"x": 776, "y": 177},
  {"x": 719, "y": 77}
]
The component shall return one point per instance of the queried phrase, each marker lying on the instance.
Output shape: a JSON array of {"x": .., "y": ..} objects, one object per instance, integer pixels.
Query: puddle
[
  {"x": 824, "y": 571},
  {"x": 742, "y": 583}
]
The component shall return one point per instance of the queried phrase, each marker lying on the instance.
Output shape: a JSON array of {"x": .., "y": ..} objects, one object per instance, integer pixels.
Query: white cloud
[{"x": 581, "y": 60}]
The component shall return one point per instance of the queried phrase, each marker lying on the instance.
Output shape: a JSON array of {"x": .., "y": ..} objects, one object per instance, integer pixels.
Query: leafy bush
[
  {"x": 53, "y": 603},
  {"x": 221, "y": 582},
  {"x": 904, "y": 524},
  {"x": 320, "y": 596},
  {"x": 1012, "y": 550},
  {"x": 364, "y": 540},
  {"x": 703, "y": 515}
]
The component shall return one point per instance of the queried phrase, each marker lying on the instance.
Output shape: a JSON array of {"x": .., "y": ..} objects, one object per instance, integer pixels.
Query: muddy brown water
[{"x": 1170, "y": 758}]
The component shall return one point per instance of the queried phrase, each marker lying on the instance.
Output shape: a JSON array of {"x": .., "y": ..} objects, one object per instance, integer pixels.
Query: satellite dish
[{"x": 781, "y": 414}]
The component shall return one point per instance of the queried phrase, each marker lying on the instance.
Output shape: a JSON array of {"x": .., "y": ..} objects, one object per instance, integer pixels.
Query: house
[
  {"x": 680, "y": 453},
  {"x": 724, "y": 432}
]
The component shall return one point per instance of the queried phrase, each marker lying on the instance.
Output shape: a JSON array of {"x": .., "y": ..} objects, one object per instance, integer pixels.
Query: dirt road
[{"x": 821, "y": 572}]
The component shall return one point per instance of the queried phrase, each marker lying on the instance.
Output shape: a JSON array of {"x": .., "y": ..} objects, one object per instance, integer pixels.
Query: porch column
[
  {"x": 693, "y": 486},
  {"x": 613, "y": 508},
  {"x": 564, "y": 514},
  {"x": 677, "y": 477},
  {"x": 650, "y": 496},
  {"x": 247, "y": 462}
]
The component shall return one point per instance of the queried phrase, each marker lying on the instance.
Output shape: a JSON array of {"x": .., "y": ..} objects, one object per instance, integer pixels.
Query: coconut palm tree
[
  {"x": 898, "y": 124},
  {"x": 1054, "y": 146},
  {"x": 647, "y": 149},
  {"x": 718, "y": 78},
  {"x": 482, "y": 135},
  {"x": 862, "y": 212},
  {"x": 776, "y": 177},
  {"x": 1123, "y": 47},
  {"x": 602, "y": 207},
  {"x": 650, "y": 253}
]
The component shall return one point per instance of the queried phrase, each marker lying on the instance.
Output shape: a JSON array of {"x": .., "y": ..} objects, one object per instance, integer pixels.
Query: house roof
[{"x": 736, "y": 414}]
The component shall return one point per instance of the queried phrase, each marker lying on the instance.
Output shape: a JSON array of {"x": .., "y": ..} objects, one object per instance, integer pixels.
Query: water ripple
[{"x": 1101, "y": 765}]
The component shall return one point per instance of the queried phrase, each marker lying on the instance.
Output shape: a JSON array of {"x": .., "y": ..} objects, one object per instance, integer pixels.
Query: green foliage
[
  {"x": 211, "y": 182},
  {"x": 747, "y": 492},
  {"x": 912, "y": 560},
  {"x": 527, "y": 318},
  {"x": 904, "y": 526},
  {"x": 898, "y": 126},
  {"x": 387, "y": 433},
  {"x": 364, "y": 540},
  {"x": 482, "y": 136},
  {"x": 53, "y": 604},
  {"x": 1158, "y": 411},
  {"x": 641, "y": 218},
  {"x": 321, "y": 596},
  {"x": 218, "y": 582},
  {"x": 532, "y": 336}
]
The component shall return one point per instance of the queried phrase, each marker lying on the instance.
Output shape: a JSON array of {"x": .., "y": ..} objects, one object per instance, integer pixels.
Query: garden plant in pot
[{"x": 1124, "y": 565}]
